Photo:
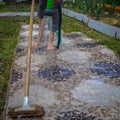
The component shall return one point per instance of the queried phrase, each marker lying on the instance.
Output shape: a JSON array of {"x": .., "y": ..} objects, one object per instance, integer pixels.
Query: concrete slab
[{"x": 79, "y": 81}]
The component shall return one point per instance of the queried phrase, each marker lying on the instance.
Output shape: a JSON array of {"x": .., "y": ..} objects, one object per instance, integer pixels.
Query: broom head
[{"x": 33, "y": 111}]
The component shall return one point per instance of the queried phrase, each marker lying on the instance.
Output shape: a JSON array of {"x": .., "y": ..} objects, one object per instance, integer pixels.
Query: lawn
[
  {"x": 9, "y": 32},
  {"x": 19, "y": 7}
]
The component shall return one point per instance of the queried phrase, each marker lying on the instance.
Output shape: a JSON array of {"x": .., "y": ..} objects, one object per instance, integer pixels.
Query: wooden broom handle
[{"x": 28, "y": 61}]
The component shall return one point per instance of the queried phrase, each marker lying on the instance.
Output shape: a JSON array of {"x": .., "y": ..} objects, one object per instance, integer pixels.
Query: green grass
[
  {"x": 112, "y": 20},
  {"x": 9, "y": 32},
  {"x": 26, "y": 7}
]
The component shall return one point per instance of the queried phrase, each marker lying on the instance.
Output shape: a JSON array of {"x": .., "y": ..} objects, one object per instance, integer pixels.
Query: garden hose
[{"x": 60, "y": 21}]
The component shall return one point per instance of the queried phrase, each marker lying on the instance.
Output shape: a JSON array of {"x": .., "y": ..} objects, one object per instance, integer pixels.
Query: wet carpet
[{"x": 79, "y": 81}]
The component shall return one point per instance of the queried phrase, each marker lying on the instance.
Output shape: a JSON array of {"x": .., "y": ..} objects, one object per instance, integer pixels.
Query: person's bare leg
[
  {"x": 41, "y": 25},
  {"x": 50, "y": 41},
  {"x": 41, "y": 28}
]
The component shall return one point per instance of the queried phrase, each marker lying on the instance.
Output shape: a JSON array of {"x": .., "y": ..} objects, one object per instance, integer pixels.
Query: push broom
[{"x": 27, "y": 110}]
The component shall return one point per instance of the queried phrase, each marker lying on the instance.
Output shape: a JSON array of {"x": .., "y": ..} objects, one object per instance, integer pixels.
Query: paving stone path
[{"x": 79, "y": 81}]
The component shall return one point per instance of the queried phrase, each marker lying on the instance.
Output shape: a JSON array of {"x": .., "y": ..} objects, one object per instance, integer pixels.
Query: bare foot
[
  {"x": 35, "y": 44},
  {"x": 50, "y": 48}
]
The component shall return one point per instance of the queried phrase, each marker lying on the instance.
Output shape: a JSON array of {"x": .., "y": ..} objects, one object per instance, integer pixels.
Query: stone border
[{"x": 101, "y": 27}]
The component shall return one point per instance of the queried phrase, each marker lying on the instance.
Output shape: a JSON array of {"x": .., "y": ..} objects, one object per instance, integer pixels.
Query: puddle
[
  {"x": 97, "y": 93},
  {"x": 56, "y": 73}
]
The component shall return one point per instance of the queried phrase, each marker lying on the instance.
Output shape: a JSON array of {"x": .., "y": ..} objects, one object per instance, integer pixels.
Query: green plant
[
  {"x": 94, "y": 8},
  {"x": 116, "y": 2}
]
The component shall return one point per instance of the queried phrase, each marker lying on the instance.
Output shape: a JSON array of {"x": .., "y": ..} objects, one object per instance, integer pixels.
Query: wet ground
[{"x": 79, "y": 81}]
